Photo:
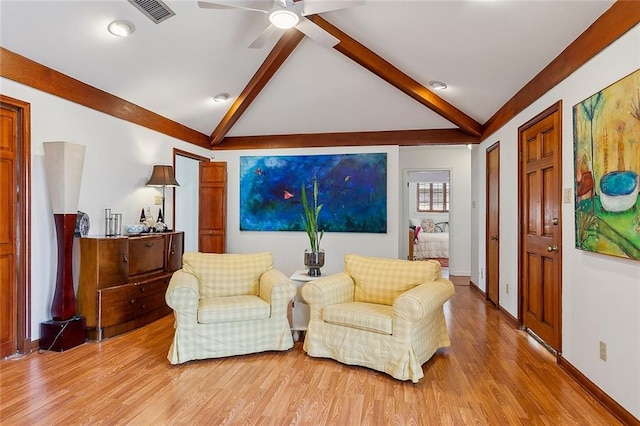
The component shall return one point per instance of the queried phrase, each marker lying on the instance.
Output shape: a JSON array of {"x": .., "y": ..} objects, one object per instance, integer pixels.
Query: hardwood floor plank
[{"x": 492, "y": 374}]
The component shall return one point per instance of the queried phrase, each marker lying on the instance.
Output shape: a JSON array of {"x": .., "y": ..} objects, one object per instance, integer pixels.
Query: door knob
[
  {"x": 553, "y": 249},
  {"x": 554, "y": 221}
]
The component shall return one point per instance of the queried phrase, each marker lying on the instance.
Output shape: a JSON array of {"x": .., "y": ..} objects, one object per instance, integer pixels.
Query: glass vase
[{"x": 314, "y": 260}]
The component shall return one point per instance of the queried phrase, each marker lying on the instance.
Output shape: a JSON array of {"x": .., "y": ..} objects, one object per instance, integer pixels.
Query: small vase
[{"x": 314, "y": 260}]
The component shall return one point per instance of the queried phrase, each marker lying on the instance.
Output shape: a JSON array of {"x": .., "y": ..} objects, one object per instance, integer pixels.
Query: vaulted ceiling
[{"x": 373, "y": 86}]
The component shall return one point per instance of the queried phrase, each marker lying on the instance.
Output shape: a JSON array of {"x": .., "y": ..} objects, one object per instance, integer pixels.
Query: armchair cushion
[
  {"x": 364, "y": 316},
  {"x": 380, "y": 280},
  {"x": 214, "y": 310},
  {"x": 227, "y": 274}
]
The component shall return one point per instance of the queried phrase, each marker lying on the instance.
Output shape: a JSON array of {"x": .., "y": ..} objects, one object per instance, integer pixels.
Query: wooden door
[
  {"x": 212, "y": 216},
  {"x": 8, "y": 253},
  {"x": 493, "y": 223},
  {"x": 540, "y": 221}
]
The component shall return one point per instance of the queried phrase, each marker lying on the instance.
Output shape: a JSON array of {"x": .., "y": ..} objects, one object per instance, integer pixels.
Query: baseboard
[
  {"x": 475, "y": 287},
  {"x": 598, "y": 394},
  {"x": 513, "y": 320}
]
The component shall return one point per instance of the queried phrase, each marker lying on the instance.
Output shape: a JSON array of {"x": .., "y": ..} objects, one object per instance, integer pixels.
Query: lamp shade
[
  {"x": 162, "y": 176},
  {"x": 64, "y": 162}
]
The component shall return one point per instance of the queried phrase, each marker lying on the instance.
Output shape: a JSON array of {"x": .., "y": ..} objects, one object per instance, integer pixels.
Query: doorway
[
  {"x": 185, "y": 206},
  {"x": 540, "y": 237},
  {"x": 15, "y": 193},
  {"x": 428, "y": 203}
]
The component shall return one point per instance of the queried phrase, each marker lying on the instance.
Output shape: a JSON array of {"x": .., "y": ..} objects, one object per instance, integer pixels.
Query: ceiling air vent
[{"x": 155, "y": 10}]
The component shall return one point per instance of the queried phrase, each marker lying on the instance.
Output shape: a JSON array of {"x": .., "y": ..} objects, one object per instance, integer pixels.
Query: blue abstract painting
[{"x": 352, "y": 189}]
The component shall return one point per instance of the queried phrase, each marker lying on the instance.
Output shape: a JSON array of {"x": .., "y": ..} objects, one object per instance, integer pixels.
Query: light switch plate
[{"x": 568, "y": 195}]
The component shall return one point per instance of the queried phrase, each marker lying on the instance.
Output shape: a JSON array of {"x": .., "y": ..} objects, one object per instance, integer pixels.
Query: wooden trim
[
  {"x": 25, "y": 71},
  {"x": 477, "y": 289},
  {"x": 392, "y": 75},
  {"x": 598, "y": 394},
  {"x": 285, "y": 46},
  {"x": 513, "y": 320},
  {"x": 611, "y": 25},
  {"x": 23, "y": 212},
  {"x": 389, "y": 137}
]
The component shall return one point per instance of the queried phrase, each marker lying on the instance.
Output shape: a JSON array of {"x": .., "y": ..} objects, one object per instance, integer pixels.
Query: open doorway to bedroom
[{"x": 428, "y": 205}]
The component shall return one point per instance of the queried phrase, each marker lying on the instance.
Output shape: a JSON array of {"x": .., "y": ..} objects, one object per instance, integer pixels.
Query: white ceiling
[{"x": 484, "y": 50}]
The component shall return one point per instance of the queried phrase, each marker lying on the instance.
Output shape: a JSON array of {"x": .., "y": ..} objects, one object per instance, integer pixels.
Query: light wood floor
[{"x": 493, "y": 374}]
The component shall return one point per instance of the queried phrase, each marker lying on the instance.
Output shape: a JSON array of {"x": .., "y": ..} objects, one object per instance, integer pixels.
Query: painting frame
[{"x": 606, "y": 134}]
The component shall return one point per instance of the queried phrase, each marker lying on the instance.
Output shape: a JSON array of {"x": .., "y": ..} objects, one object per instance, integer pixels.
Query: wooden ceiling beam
[
  {"x": 317, "y": 140},
  {"x": 30, "y": 73},
  {"x": 611, "y": 25},
  {"x": 385, "y": 70},
  {"x": 279, "y": 54}
]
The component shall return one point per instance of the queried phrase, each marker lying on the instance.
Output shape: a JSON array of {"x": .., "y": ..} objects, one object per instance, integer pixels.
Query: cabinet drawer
[
  {"x": 146, "y": 255},
  {"x": 117, "y": 305},
  {"x": 150, "y": 295}
]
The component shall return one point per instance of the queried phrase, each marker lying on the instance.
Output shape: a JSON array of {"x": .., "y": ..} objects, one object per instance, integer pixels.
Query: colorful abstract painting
[
  {"x": 606, "y": 134},
  {"x": 352, "y": 189}
]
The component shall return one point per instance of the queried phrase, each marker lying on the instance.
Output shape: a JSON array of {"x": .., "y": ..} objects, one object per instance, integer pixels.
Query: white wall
[
  {"x": 288, "y": 247},
  {"x": 457, "y": 159},
  {"x": 600, "y": 294},
  {"x": 118, "y": 162}
]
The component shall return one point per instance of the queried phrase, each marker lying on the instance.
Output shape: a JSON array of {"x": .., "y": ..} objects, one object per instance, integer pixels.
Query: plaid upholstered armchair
[
  {"x": 228, "y": 304},
  {"x": 385, "y": 314}
]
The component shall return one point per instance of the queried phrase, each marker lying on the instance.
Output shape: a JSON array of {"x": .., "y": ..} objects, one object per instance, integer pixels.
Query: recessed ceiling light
[
  {"x": 121, "y": 28},
  {"x": 437, "y": 85},
  {"x": 222, "y": 97},
  {"x": 283, "y": 18}
]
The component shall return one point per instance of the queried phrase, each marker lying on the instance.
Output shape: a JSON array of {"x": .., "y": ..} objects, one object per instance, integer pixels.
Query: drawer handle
[
  {"x": 143, "y": 306},
  {"x": 148, "y": 244},
  {"x": 142, "y": 289},
  {"x": 124, "y": 258},
  {"x": 132, "y": 301}
]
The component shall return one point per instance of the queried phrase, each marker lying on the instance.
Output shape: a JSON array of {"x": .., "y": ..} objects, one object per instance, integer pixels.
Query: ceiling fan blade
[
  {"x": 312, "y": 7},
  {"x": 252, "y": 5},
  {"x": 316, "y": 33},
  {"x": 264, "y": 36}
]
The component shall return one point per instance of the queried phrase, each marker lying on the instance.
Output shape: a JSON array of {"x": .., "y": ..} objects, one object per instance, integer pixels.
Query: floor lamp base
[{"x": 60, "y": 336}]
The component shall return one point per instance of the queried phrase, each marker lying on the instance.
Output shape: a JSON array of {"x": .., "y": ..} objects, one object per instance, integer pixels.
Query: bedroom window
[{"x": 433, "y": 197}]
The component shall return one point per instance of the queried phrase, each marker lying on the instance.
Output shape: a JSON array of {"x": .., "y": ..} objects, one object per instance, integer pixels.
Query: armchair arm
[
  {"x": 336, "y": 288},
  {"x": 183, "y": 292},
  {"x": 415, "y": 304},
  {"x": 277, "y": 289}
]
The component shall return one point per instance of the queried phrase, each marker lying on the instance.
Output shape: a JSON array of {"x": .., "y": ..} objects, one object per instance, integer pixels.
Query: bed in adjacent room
[{"x": 429, "y": 241}]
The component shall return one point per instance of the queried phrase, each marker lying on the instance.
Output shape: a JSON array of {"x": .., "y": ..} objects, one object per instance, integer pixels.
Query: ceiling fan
[{"x": 287, "y": 14}]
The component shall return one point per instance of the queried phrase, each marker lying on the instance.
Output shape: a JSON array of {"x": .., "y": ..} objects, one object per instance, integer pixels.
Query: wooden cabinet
[{"x": 123, "y": 280}]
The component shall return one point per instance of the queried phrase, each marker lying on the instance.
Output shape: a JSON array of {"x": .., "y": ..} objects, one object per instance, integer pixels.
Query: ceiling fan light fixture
[
  {"x": 283, "y": 18},
  {"x": 121, "y": 28},
  {"x": 437, "y": 85}
]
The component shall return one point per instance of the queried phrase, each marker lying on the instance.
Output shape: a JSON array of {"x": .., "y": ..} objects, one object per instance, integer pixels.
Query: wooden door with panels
[
  {"x": 212, "y": 222},
  {"x": 540, "y": 144},
  {"x": 14, "y": 226},
  {"x": 493, "y": 224}
]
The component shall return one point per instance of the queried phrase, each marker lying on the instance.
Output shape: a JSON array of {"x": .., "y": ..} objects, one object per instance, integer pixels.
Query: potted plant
[{"x": 314, "y": 258}]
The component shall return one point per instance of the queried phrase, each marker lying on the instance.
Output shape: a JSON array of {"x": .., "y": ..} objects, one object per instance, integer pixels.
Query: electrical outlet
[
  {"x": 158, "y": 200},
  {"x": 603, "y": 351}
]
